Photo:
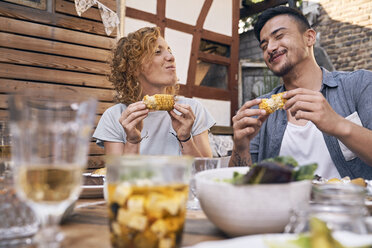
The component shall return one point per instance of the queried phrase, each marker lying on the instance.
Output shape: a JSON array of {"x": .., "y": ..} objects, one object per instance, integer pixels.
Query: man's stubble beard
[{"x": 284, "y": 70}]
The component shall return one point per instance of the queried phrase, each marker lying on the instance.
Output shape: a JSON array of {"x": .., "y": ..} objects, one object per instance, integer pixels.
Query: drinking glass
[
  {"x": 50, "y": 133},
  {"x": 200, "y": 164},
  {"x": 18, "y": 223},
  {"x": 146, "y": 197}
]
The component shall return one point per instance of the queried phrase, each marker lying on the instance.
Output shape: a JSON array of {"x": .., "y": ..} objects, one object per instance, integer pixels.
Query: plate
[
  {"x": 275, "y": 240},
  {"x": 256, "y": 241},
  {"x": 91, "y": 191}
]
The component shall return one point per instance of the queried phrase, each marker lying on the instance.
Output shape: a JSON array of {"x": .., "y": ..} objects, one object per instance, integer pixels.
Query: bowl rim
[{"x": 201, "y": 178}]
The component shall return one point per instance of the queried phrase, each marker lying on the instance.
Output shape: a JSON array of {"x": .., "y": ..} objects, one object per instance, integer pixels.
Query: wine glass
[
  {"x": 50, "y": 133},
  {"x": 18, "y": 222},
  {"x": 200, "y": 164}
]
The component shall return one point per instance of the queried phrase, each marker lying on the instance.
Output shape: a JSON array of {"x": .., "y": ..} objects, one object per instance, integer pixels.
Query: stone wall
[
  {"x": 345, "y": 33},
  {"x": 249, "y": 47}
]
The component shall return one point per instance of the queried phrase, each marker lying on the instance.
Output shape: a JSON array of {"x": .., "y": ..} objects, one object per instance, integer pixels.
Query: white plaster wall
[
  {"x": 184, "y": 11},
  {"x": 219, "y": 109},
  {"x": 219, "y": 17},
  {"x": 132, "y": 25},
  {"x": 180, "y": 43},
  {"x": 144, "y": 5}
]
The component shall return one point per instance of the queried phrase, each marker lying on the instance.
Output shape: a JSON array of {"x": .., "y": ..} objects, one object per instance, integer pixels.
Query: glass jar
[{"x": 341, "y": 206}]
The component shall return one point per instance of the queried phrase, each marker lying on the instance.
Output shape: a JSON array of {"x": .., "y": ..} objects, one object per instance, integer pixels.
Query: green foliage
[
  {"x": 305, "y": 172},
  {"x": 288, "y": 160}
]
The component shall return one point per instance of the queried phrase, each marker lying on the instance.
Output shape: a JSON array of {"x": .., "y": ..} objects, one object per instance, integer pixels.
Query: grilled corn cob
[
  {"x": 159, "y": 102},
  {"x": 272, "y": 104}
]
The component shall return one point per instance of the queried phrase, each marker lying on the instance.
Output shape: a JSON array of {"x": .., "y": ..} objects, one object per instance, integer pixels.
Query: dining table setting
[
  {"x": 48, "y": 199},
  {"x": 88, "y": 226}
]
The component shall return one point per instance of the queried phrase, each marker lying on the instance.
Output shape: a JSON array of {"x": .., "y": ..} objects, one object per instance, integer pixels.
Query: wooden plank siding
[{"x": 56, "y": 49}]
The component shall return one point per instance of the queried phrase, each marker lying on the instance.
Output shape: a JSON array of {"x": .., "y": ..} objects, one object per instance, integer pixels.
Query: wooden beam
[
  {"x": 160, "y": 13},
  {"x": 249, "y": 10},
  {"x": 234, "y": 58},
  {"x": 140, "y": 15},
  {"x": 214, "y": 58},
  {"x": 191, "y": 74}
]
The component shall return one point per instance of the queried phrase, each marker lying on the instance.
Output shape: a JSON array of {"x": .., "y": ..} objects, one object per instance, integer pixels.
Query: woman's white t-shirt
[
  {"x": 157, "y": 127},
  {"x": 306, "y": 144}
]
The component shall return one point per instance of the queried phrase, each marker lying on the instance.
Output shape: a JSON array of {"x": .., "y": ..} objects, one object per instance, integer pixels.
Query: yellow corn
[
  {"x": 270, "y": 105},
  {"x": 159, "y": 102}
]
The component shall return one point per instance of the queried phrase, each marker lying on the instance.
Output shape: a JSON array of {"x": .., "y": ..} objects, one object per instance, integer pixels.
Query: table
[{"x": 88, "y": 226}]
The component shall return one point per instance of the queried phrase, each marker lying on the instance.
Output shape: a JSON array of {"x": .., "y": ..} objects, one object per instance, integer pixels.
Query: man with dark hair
[{"x": 327, "y": 117}]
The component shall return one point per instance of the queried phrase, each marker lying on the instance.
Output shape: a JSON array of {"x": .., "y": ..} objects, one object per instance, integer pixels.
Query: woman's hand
[
  {"x": 245, "y": 126},
  {"x": 132, "y": 121},
  {"x": 182, "y": 124}
]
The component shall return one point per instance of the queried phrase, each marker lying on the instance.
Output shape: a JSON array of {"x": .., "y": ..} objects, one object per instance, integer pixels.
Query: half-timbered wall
[{"x": 52, "y": 47}]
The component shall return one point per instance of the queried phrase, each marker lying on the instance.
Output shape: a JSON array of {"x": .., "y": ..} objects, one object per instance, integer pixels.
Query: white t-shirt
[
  {"x": 157, "y": 127},
  {"x": 306, "y": 144}
]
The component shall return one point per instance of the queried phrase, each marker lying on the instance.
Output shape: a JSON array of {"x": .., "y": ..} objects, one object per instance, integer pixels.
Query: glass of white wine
[{"x": 50, "y": 131}]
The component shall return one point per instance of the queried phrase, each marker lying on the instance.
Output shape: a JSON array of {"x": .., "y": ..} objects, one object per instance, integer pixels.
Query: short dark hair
[{"x": 301, "y": 20}]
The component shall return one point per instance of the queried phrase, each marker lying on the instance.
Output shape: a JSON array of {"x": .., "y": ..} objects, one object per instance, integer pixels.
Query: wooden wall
[{"x": 55, "y": 48}]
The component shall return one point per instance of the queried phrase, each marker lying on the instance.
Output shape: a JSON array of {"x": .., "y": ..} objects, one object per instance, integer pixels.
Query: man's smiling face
[{"x": 283, "y": 44}]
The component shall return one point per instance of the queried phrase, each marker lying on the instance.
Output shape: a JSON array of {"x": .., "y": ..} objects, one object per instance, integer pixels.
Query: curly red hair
[{"x": 128, "y": 57}]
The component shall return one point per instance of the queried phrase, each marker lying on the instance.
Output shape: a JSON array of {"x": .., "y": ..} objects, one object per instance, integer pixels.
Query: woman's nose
[{"x": 169, "y": 56}]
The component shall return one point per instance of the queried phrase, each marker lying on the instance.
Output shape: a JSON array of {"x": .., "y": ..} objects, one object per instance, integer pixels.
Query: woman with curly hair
[{"x": 143, "y": 64}]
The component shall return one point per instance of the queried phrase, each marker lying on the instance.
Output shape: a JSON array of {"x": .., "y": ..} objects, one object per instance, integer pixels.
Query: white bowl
[{"x": 248, "y": 209}]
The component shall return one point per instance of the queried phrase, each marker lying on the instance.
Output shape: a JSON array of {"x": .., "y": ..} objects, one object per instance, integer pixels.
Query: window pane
[
  {"x": 211, "y": 75},
  {"x": 212, "y": 47}
]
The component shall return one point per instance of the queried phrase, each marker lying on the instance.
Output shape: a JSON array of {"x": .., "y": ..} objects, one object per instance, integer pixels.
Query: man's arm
[
  {"x": 245, "y": 128},
  {"x": 311, "y": 105},
  {"x": 240, "y": 159},
  {"x": 357, "y": 138}
]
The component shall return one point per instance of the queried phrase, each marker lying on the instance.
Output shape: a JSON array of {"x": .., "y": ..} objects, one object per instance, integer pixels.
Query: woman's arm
[
  {"x": 118, "y": 148},
  {"x": 197, "y": 146}
]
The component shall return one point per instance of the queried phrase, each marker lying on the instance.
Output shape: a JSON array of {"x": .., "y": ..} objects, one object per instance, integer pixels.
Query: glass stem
[{"x": 49, "y": 235}]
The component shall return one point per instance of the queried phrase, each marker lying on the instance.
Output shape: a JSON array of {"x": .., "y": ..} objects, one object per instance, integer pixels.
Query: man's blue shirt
[{"x": 346, "y": 92}]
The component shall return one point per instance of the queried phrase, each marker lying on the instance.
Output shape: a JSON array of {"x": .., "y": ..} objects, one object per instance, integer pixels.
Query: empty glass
[
  {"x": 50, "y": 131},
  {"x": 200, "y": 164},
  {"x": 146, "y": 197},
  {"x": 17, "y": 221}
]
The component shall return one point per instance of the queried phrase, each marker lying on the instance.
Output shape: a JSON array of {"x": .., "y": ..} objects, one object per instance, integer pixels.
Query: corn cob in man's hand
[{"x": 272, "y": 104}]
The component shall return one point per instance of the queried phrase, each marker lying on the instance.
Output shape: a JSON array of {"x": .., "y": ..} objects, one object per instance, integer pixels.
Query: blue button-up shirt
[{"x": 346, "y": 92}]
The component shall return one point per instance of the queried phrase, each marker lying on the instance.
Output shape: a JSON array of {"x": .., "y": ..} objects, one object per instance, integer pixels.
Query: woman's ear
[{"x": 310, "y": 37}]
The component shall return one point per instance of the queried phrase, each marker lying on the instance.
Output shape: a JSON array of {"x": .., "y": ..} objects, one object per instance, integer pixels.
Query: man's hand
[
  {"x": 312, "y": 106},
  {"x": 245, "y": 126}
]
